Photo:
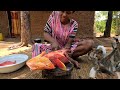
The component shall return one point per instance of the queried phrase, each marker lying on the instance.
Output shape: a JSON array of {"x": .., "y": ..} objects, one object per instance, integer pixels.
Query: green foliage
[
  {"x": 100, "y": 21},
  {"x": 115, "y": 21},
  {"x": 100, "y": 26},
  {"x": 114, "y": 26}
]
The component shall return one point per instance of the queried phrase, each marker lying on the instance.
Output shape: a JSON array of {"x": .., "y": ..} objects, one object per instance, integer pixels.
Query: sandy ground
[
  {"x": 25, "y": 73},
  {"x": 4, "y": 46}
]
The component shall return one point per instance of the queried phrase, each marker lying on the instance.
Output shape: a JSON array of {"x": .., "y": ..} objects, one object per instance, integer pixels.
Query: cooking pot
[
  {"x": 58, "y": 72},
  {"x": 37, "y": 40}
]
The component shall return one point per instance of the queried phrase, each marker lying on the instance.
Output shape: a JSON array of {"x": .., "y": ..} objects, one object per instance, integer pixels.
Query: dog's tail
[{"x": 103, "y": 49}]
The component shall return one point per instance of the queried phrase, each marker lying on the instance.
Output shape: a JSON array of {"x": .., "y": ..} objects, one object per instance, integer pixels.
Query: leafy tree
[
  {"x": 100, "y": 26},
  {"x": 116, "y": 22},
  {"x": 25, "y": 29},
  {"x": 100, "y": 20}
]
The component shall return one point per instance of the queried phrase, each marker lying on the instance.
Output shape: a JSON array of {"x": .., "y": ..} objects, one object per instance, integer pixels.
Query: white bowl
[{"x": 20, "y": 61}]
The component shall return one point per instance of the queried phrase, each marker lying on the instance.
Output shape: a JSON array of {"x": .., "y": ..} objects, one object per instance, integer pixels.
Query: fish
[
  {"x": 7, "y": 63},
  {"x": 48, "y": 61}
]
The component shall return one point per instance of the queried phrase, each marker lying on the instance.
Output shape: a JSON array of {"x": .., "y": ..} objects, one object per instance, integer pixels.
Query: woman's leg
[{"x": 83, "y": 47}]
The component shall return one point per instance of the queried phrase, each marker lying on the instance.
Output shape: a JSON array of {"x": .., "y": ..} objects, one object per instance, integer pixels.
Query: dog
[
  {"x": 109, "y": 66},
  {"x": 94, "y": 74},
  {"x": 97, "y": 54}
]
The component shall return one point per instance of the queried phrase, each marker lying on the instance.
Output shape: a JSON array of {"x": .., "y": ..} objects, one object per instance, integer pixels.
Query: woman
[{"x": 60, "y": 31}]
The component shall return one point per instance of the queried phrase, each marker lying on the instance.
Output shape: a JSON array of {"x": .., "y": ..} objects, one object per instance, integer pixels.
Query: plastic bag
[{"x": 40, "y": 62}]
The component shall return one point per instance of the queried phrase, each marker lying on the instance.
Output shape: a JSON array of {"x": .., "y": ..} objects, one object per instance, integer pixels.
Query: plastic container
[{"x": 20, "y": 62}]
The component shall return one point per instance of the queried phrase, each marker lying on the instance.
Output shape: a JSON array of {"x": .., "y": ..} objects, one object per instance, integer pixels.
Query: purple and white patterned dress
[{"x": 57, "y": 30}]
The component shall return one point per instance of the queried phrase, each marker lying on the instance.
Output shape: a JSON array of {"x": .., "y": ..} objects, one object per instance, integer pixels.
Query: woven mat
[{"x": 25, "y": 73}]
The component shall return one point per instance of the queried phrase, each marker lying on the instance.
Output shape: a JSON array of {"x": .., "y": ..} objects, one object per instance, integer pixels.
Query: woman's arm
[
  {"x": 72, "y": 34},
  {"x": 48, "y": 32},
  {"x": 54, "y": 43},
  {"x": 68, "y": 45},
  {"x": 48, "y": 37}
]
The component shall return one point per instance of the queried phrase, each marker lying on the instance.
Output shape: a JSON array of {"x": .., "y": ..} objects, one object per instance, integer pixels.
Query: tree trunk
[
  {"x": 25, "y": 27},
  {"x": 108, "y": 24},
  {"x": 25, "y": 30}
]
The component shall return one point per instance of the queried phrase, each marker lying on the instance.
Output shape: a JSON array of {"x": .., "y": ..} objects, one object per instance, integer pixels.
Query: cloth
[{"x": 39, "y": 47}]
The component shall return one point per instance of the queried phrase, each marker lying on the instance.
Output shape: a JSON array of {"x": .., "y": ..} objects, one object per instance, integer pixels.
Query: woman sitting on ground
[{"x": 60, "y": 31}]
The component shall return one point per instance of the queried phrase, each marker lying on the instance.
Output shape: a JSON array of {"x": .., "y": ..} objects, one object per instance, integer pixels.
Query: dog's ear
[
  {"x": 116, "y": 39},
  {"x": 93, "y": 49},
  {"x": 99, "y": 51}
]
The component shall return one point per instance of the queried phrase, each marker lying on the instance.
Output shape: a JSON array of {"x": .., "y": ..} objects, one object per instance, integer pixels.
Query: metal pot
[
  {"x": 37, "y": 40},
  {"x": 59, "y": 72}
]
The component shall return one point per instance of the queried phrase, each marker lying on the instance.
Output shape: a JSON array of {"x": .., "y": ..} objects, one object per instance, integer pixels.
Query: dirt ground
[
  {"x": 4, "y": 46},
  {"x": 25, "y": 73}
]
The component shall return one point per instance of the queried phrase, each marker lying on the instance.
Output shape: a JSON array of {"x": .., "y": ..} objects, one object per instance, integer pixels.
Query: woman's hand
[
  {"x": 55, "y": 46},
  {"x": 67, "y": 46},
  {"x": 68, "y": 51}
]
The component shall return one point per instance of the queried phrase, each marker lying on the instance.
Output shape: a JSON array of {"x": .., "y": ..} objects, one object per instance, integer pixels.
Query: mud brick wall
[
  {"x": 85, "y": 20},
  {"x": 38, "y": 20},
  {"x": 4, "y": 28}
]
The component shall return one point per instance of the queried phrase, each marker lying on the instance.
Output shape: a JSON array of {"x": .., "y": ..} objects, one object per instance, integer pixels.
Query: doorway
[{"x": 14, "y": 23}]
